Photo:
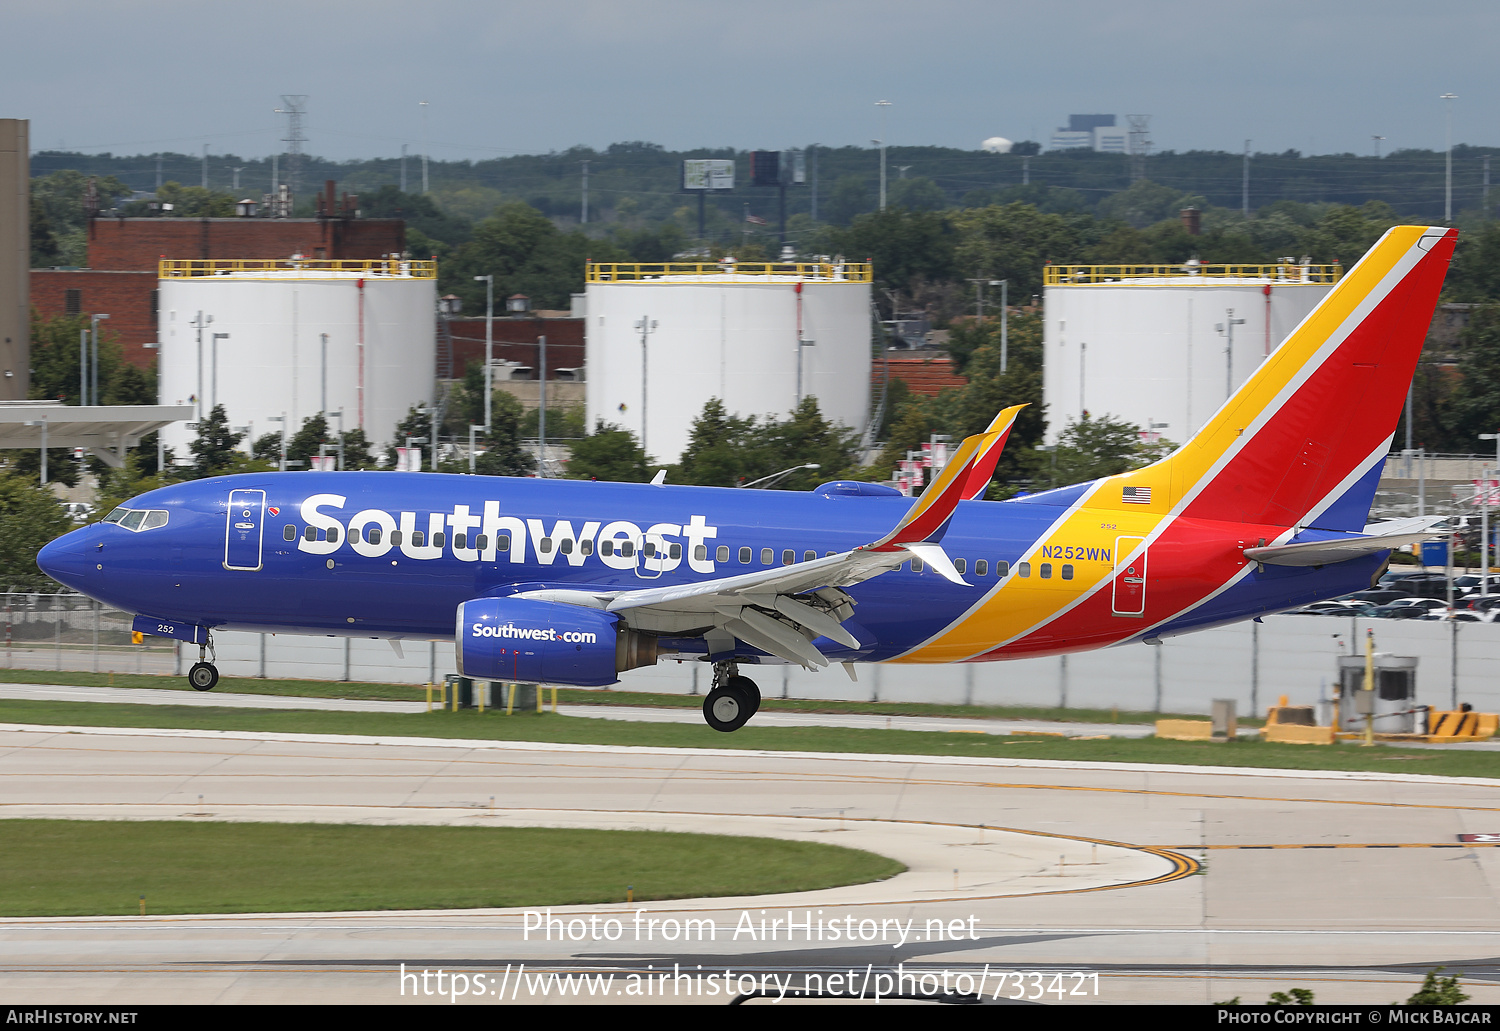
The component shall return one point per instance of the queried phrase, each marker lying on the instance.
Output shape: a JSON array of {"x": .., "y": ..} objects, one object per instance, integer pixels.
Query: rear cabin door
[
  {"x": 1130, "y": 577},
  {"x": 243, "y": 530}
]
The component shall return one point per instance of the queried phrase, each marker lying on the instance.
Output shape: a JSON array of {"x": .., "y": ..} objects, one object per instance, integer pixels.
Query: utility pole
[
  {"x": 1245, "y": 184},
  {"x": 882, "y": 104},
  {"x": 813, "y": 153},
  {"x": 646, "y": 326},
  {"x": 237, "y": 170},
  {"x": 205, "y": 166},
  {"x": 323, "y": 396},
  {"x": 585, "y": 219},
  {"x": 1226, "y": 330},
  {"x": 200, "y": 323},
  {"x": 213, "y": 377},
  {"x": 403, "y": 167},
  {"x": 1486, "y": 186},
  {"x": 541, "y": 417},
  {"x": 94, "y": 321},
  {"x": 1004, "y": 324},
  {"x": 1448, "y": 182},
  {"x": 296, "y": 107}
]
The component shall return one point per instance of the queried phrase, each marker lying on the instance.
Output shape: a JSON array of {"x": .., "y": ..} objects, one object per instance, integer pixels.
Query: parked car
[
  {"x": 1377, "y": 595},
  {"x": 79, "y": 511}
]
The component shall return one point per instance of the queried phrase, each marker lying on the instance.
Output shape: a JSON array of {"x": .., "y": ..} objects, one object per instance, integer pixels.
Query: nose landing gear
[
  {"x": 204, "y": 675},
  {"x": 732, "y": 700}
]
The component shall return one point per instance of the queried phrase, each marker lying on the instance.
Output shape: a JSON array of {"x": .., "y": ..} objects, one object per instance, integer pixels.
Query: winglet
[
  {"x": 967, "y": 471},
  {"x": 989, "y": 452}
]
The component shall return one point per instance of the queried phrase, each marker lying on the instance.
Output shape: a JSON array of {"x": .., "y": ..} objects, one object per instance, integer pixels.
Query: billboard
[{"x": 708, "y": 174}]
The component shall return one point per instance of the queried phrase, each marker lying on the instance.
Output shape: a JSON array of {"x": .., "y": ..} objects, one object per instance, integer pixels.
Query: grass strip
[
  {"x": 97, "y": 867},
  {"x": 550, "y": 727},
  {"x": 579, "y": 696}
]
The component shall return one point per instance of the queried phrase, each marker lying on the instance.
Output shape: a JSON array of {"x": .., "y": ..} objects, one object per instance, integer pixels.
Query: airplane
[{"x": 572, "y": 582}]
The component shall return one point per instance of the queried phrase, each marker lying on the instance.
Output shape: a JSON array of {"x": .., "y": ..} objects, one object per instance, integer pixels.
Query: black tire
[
  {"x": 748, "y": 688},
  {"x": 203, "y": 676},
  {"x": 726, "y": 708}
]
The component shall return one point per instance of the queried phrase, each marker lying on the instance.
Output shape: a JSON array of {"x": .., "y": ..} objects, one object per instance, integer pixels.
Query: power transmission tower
[
  {"x": 1140, "y": 145},
  {"x": 296, "y": 107}
]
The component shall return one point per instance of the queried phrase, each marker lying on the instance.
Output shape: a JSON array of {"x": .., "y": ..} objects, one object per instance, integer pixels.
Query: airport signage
[{"x": 708, "y": 174}]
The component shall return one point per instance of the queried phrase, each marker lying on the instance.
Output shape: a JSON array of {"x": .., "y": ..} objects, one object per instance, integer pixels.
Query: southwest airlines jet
[{"x": 572, "y": 582}]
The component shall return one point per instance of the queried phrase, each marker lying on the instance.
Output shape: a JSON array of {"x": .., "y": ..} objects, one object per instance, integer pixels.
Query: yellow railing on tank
[
  {"x": 1284, "y": 272},
  {"x": 297, "y": 268},
  {"x": 711, "y": 271}
]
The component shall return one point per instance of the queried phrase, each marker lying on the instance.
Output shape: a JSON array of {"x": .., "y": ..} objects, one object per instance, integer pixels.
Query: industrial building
[
  {"x": 289, "y": 339},
  {"x": 1163, "y": 346},
  {"x": 662, "y": 339}
]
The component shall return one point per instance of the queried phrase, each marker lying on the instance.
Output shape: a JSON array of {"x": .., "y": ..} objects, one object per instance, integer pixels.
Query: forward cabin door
[
  {"x": 244, "y": 528},
  {"x": 1130, "y": 577}
]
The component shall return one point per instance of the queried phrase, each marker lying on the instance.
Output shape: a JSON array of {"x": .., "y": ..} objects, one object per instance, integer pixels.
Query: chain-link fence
[{"x": 71, "y": 632}]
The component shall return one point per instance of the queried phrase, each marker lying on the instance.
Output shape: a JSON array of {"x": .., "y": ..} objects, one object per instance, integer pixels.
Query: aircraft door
[
  {"x": 244, "y": 528},
  {"x": 1130, "y": 577},
  {"x": 649, "y": 550}
]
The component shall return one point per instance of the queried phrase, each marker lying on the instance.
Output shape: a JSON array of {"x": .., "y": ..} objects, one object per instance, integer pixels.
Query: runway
[{"x": 1097, "y": 882}]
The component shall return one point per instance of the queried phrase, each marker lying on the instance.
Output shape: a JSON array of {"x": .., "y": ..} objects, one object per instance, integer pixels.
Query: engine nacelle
[{"x": 537, "y": 642}]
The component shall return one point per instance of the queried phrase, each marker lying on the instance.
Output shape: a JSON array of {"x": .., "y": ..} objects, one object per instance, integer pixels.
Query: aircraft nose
[{"x": 69, "y": 558}]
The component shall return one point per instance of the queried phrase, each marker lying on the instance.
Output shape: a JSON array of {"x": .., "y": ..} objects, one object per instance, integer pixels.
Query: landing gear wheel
[
  {"x": 727, "y": 708},
  {"x": 748, "y": 688},
  {"x": 203, "y": 676}
]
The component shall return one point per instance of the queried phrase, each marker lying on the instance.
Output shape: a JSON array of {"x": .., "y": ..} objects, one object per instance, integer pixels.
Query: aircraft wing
[{"x": 782, "y": 610}]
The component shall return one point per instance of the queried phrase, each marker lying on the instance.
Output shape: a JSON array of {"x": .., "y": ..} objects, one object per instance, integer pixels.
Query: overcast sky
[{"x": 504, "y": 77}]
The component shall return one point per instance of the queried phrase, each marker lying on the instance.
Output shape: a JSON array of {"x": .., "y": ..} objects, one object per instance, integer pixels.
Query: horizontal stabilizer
[{"x": 1322, "y": 553}]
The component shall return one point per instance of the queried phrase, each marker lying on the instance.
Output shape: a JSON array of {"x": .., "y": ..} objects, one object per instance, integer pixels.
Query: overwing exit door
[{"x": 244, "y": 528}]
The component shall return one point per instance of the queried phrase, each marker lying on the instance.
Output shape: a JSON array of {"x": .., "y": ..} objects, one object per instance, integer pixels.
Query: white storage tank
[
  {"x": 302, "y": 337},
  {"x": 1150, "y": 343},
  {"x": 729, "y": 331}
]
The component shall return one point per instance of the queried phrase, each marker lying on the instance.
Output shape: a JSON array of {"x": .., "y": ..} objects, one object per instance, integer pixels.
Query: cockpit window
[{"x": 138, "y": 519}]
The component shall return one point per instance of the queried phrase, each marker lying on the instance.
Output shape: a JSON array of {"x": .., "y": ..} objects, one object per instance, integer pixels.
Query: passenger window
[
  {"x": 808, "y": 556},
  {"x": 544, "y": 545},
  {"x": 333, "y": 535},
  {"x": 606, "y": 547},
  {"x": 1024, "y": 569},
  {"x": 674, "y": 551},
  {"x": 981, "y": 567},
  {"x": 829, "y": 554},
  {"x": 1067, "y": 572},
  {"x": 482, "y": 542},
  {"x": 309, "y": 533},
  {"x": 745, "y": 556},
  {"x": 437, "y": 539},
  {"x": 722, "y": 555},
  {"x": 1046, "y": 571},
  {"x": 788, "y": 557},
  {"x": 959, "y": 564},
  {"x": 566, "y": 546},
  {"x": 1002, "y": 568},
  {"x": 917, "y": 565},
  {"x": 373, "y": 534},
  {"x": 502, "y": 542},
  {"x": 418, "y": 538},
  {"x": 288, "y": 532},
  {"x": 460, "y": 540},
  {"x": 649, "y": 549},
  {"x": 354, "y": 536},
  {"x": 395, "y": 537},
  {"x": 586, "y": 547},
  {"x": 700, "y": 552},
  {"x": 767, "y": 556},
  {"x": 627, "y": 549}
]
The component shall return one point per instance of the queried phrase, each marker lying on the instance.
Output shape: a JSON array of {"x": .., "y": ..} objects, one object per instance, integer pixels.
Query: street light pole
[
  {"x": 213, "y": 381},
  {"x": 882, "y": 104},
  {"x": 646, "y": 326},
  {"x": 1448, "y": 188},
  {"x": 489, "y": 343},
  {"x": 94, "y": 321}
]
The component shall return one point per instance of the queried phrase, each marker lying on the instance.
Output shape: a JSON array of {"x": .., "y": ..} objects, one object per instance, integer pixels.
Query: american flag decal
[{"x": 1136, "y": 495}]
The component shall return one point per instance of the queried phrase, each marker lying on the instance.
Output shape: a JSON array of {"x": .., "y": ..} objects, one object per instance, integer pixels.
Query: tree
[
  {"x": 418, "y": 423},
  {"x": 849, "y": 197},
  {"x": 30, "y": 516},
  {"x": 357, "y": 450},
  {"x": 720, "y": 452},
  {"x": 526, "y": 254},
  {"x": 919, "y": 194},
  {"x": 1014, "y": 242},
  {"x": 214, "y": 448},
  {"x": 1098, "y": 446},
  {"x": 504, "y": 454},
  {"x": 1438, "y": 991},
  {"x": 307, "y": 443},
  {"x": 807, "y": 437},
  {"x": 609, "y": 453},
  {"x": 902, "y": 245}
]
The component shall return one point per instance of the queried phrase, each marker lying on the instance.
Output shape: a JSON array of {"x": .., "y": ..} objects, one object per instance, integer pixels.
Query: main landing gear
[
  {"x": 732, "y": 700},
  {"x": 204, "y": 675}
]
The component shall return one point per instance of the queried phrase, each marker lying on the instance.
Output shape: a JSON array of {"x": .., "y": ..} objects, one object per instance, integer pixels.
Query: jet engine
[{"x": 544, "y": 642}]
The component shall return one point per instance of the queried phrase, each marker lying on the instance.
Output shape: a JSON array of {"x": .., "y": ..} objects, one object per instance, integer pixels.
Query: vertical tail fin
[{"x": 1303, "y": 441}]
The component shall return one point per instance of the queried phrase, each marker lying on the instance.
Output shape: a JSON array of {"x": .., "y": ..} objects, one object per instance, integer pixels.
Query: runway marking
[{"x": 1408, "y": 844}]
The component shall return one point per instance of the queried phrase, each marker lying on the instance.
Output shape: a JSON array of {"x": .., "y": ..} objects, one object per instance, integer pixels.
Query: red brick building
[
  {"x": 124, "y": 254},
  {"x": 927, "y": 377},
  {"x": 515, "y": 340}
]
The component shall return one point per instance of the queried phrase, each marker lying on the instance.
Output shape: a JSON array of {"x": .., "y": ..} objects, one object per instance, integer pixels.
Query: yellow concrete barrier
[
  {"x": 1185, "y": 730},
  {"x": 1294, "y": 734}
]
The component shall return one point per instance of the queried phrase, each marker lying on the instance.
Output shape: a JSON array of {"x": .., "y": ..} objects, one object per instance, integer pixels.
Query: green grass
[
  {"x": 577, "y": 696},
  {"x": 92, "y": 868},
  {"x": 564, "y": 729}
]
